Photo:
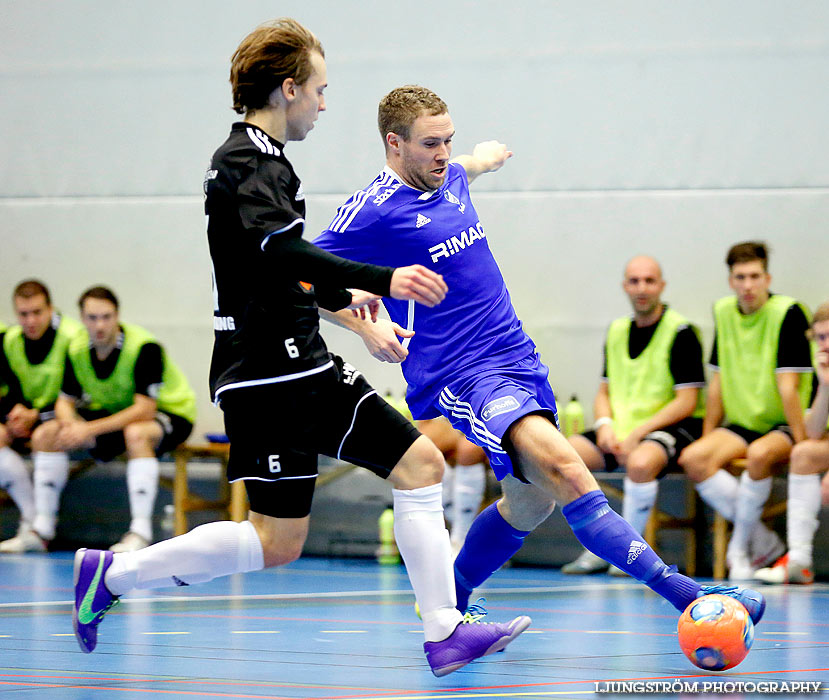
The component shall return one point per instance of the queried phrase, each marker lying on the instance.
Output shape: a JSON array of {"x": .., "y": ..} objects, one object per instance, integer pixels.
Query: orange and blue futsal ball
[{"x": 715, "y": 632}]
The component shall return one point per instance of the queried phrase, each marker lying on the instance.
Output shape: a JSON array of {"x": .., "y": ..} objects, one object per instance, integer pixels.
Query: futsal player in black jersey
[{"x": 285, "y": 398}]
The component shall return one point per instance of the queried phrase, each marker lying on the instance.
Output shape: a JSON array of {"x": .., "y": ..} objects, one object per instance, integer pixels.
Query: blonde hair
[{"x": 822, "y": 313}]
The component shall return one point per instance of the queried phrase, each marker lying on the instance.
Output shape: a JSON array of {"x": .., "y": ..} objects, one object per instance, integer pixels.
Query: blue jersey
[{"x": 475, "y": 327}]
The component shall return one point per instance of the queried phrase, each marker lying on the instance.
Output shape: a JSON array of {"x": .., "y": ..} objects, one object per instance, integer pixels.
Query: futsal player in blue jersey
[{"x": 470, "y": 359}]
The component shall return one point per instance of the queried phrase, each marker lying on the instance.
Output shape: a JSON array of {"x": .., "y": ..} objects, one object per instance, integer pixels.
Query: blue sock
[
  {"x": 605, "y": 533},
  {"x": 490, "y": 542}
]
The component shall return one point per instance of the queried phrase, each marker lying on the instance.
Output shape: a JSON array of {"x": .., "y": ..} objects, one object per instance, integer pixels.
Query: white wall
[{"x": 674, "y": 129}]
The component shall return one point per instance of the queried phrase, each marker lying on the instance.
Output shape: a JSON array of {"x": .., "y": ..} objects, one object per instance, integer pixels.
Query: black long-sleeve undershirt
[{"x": 295, "y": 257}]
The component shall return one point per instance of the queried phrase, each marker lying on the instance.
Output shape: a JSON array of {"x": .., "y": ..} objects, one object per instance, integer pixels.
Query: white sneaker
[
  {"x": 740, "y": 568},
  {"x": 587, "y": 563},
  {"x": 616, "y": 571},
  {"x": 786, "y": 571},
  {"x": 25, "y": 541},
  {"x": 130, "y": 542},
  {"x": 764, "y": 546}
]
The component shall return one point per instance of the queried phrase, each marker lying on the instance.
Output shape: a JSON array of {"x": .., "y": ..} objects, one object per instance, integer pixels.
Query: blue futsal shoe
[
  {"x": 752, "y": 601},
  {"x": 92, "y": 598}
]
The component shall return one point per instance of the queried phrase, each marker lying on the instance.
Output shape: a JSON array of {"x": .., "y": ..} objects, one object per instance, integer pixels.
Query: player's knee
[
  {"x": 640, "y": 469},
  {"x": 137, "y": 435},
  {"x": 693, "y": 463},
  {"x": 468, "y": 454},
  {"x": 526, "y": 510},
  {"x": 422, "y": 465},
  {"x": 807, "y": 456},
  {"x": 567, "y": 467},
  {"x": 759, "y": 461},
  {"x": 43, "y": 437},
  {"x": 5, "y": 438}
]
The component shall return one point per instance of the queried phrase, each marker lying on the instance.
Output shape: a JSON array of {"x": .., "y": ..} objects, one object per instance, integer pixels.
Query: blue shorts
[{"x": 483, "y": 406}]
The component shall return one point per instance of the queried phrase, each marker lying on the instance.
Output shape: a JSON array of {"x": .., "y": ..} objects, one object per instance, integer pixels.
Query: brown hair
[
  {"x": 399, "y": 109},
  {"x": 748, "y": 252},
  {"x": 31, "y": 288},
  {"x": 269, "y": 55},
  {"x": 98, "y": 293}
]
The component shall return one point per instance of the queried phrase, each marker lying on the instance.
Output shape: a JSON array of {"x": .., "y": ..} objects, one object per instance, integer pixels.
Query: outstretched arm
[
  {"x": 299, "y": 259},
  {"x": 487, "y": 157}
]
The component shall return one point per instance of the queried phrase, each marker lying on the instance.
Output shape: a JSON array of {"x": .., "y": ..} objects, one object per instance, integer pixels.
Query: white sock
[
  {"x": 470, "y": 482},
  {"x": 424, "y": 545},
  {"x": 142, "y": 484},
  {"x": 802, "y": 516},
  {"x": 15, "y": 478},
  {"x": 206, "y": 552},
  {"x": 720, "y": 492},
  {"x": 50, "y": 475},
  {"x": 751, "y": 497},
  {"x": 638, "y": 501}
]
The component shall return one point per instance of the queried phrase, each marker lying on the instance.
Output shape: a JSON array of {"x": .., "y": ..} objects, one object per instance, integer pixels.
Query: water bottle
[
  {"x": 573, "y": 417},
  {"x": 387, "y": 552},
  {"x": 168, "y": 522}
]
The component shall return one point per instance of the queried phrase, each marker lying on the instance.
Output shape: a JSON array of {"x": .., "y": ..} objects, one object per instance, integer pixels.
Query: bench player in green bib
[
  {"x": 32, "y": 359},
  {"x": 121, "y": 393},
  {"x": 760, "y": 386},
  {"x": 650, "y": 402}
]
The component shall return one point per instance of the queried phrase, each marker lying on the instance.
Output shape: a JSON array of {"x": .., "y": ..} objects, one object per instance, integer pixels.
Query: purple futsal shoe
[
  {"x": 471, "y": 640},
  {"x": 752, "y": 601},
  {"x": 92, "y": 598}
]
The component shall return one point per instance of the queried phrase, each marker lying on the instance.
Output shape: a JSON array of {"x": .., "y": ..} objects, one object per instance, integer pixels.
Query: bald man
[{"x": 650, "y": 401}]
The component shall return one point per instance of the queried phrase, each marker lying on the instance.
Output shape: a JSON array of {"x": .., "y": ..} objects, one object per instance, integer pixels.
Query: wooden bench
[
  {"x": 232, "y": 499},
  {"x": 721, "y": 525}
]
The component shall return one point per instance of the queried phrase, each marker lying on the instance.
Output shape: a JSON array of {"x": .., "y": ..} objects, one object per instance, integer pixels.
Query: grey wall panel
[
  {"x": 562, "y": 255},
  {"x": 118, "y": 98}
]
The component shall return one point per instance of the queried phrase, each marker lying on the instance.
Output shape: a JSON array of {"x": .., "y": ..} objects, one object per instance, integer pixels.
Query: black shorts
[
  {"x": 277, "y": 430},
  {"x": 673, "y": 439},
  {"x": 108, "y": 446},
  {"x": 751, "y": 435}
]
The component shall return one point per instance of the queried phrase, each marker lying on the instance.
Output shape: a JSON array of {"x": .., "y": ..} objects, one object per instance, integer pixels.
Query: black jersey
[{"x": 267, "y": 281}]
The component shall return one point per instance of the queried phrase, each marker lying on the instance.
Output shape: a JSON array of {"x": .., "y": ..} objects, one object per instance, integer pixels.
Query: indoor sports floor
[{"x": 345, "y": 629}]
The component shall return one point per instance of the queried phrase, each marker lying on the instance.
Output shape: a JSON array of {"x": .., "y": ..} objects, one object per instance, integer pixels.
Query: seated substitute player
[
  {"x": 121, "y": 393},
  {"x": 650, "y": 402},
  {"x": 285, "y": 398},
  {"x": 464, "y": 482},
  {"x": 809, "y": 459},
  {"x": 760, "y": 386},
  {"x": 32, "y": 358},
  {"x": 470, "y": 360}
]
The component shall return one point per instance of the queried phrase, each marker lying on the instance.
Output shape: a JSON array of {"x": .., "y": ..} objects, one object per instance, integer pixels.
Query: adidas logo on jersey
[
  {"x": 635, "y": 549},
  {"x": 422, "y": 220}
]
